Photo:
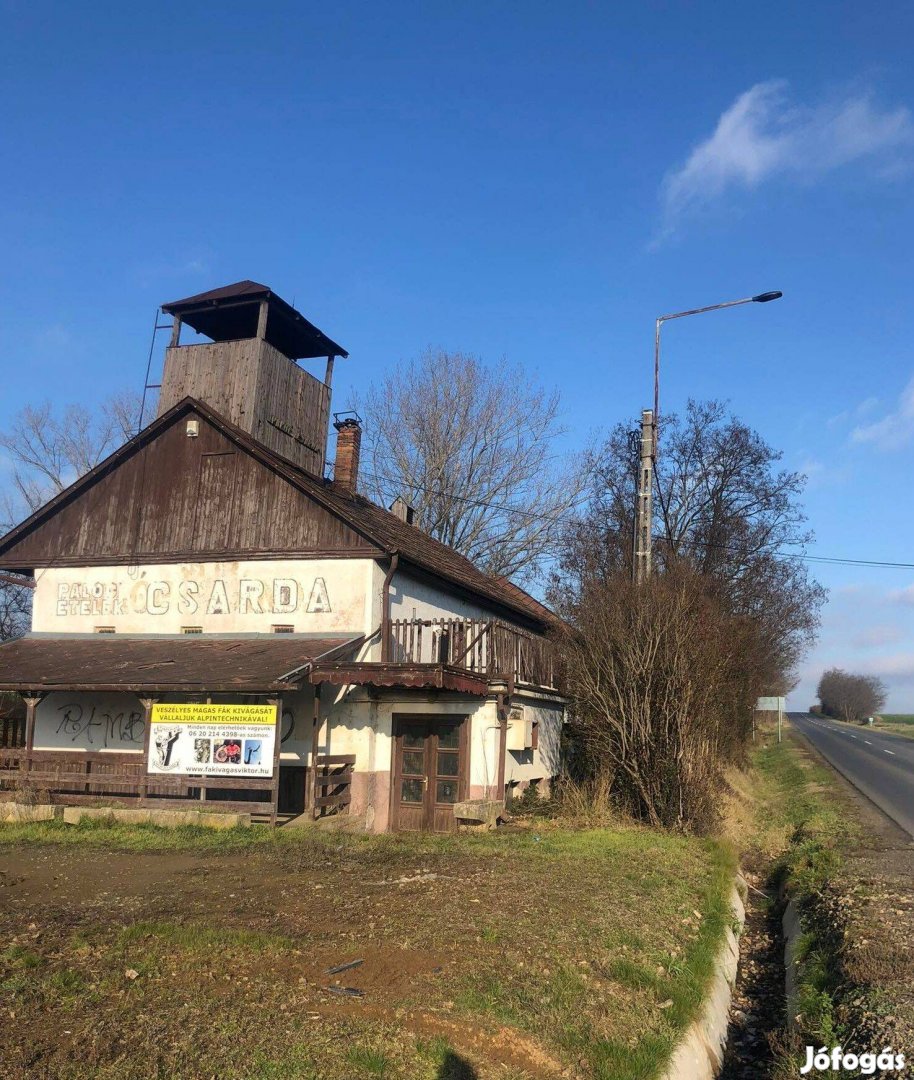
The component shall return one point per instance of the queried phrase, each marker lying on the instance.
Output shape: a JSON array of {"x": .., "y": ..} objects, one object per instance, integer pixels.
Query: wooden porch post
[
  {"x": 504, "y": 704},
  {"x": 262, "y": 319},
  {"x": 32, "y": 701},
  {"x": 277, "y": 749},
  {"x": 502, "y": 749},
  {"x": 147, "y": 704},
  {"x": 311, "y": 779}
]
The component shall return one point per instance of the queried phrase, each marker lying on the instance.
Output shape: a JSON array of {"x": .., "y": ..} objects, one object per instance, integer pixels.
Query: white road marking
[
  {"x": 892, "y": 752},
  {"x": 854, "y": 736},
  {"x": 867, "y": 741}
]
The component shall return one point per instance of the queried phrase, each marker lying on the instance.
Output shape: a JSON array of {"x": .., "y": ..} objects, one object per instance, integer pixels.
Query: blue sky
[{"x": 528, "y": 180}]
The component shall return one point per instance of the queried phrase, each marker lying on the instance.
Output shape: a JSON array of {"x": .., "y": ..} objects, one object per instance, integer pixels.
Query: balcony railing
[{"x": 485, "y": 647}]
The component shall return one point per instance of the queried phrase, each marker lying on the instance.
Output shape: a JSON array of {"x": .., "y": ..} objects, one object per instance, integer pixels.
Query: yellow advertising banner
[
  {"x": 213, "y": 740},
  {"x": 214, "y": 714}
]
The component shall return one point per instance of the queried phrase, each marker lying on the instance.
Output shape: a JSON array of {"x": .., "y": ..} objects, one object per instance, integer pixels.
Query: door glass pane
[
  {"x": 411, "y": 791},
  {"x": 413, "y": 763},
  {"x": 448, "y": 763},
  {"x": 449, "y": 736},
  {"x": 414, "y": 737},
  {"x": 446, "y": 791}
]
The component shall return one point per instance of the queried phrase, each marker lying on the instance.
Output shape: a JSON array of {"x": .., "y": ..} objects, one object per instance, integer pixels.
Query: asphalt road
[{"x": 879, "y": 765}]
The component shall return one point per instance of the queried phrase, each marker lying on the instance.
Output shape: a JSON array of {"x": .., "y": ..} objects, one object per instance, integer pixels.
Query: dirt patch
[{"x": 499, "y": 958}]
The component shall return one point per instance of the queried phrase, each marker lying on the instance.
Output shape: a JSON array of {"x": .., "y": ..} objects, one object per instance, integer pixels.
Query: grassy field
[
  {"x": 138, "y": 952},
  {"x": 897, "y": 723}
]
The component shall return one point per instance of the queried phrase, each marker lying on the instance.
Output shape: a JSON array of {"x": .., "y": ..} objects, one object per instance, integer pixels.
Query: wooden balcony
[{"x": 486, "y": 649}]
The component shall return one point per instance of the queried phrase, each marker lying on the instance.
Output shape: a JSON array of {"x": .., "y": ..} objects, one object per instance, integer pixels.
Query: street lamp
[
  {"x": 649, "y": 437},
  {"x": 761, "y": 298}
]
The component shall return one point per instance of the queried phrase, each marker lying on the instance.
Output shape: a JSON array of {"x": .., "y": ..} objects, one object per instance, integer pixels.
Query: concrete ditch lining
[{"x": 699, "y": 1054}]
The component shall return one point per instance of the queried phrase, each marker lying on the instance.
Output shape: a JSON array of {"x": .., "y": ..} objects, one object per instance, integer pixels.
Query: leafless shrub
[{"x": 661, "y": 681}]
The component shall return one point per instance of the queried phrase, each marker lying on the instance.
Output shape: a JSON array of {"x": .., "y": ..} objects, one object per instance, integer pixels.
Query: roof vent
[{"x": 400, "y": 508}]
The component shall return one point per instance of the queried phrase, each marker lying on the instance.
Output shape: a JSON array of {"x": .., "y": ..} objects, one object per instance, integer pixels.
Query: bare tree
[
  {"x": 15, "y": 607},
  {"x": 726, "y": 510},
  {"x": 48, "y": 451},
  {"x": 473, "y": 449},
  {"x": 850, "y": 697}
]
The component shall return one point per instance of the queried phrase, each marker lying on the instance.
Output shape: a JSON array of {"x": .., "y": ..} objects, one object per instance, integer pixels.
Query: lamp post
[
  {"x": 761, "y": 298},
  {"x": 650, "y": 434}
]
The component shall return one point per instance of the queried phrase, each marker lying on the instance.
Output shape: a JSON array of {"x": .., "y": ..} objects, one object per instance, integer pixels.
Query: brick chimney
[{"x": 348, "y": 445}]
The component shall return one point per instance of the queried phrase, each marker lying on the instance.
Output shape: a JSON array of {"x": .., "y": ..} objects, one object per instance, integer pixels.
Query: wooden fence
[
  {"x": 12, "y": 732},
  {"x": 120, "y": 779},
  {"x": 484, "y": 647},
  {"x": 79, "y": 778},
  {"x": 333, "y": 784}
]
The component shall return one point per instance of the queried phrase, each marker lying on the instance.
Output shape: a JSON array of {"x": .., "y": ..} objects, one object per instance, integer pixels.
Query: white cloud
[
  {"x": 895, "y": 429},
  {"x": 865, "y": 407},
  {"x": 874, "y": 637},
  {"x": 812, "y": 467},
  {"x": 53, "y": 338},
  {"x": 899, "y": 668},
  {"x": 764, "y": 134},
  {"x": 819, "y": 474},
  {"x": 903, "y": 596}
]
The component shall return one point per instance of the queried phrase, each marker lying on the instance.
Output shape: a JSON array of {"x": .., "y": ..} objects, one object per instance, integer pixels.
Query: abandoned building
[{"x": 215, "y": 622}]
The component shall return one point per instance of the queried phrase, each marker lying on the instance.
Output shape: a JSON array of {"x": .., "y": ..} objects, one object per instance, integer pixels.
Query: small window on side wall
[
  {"x": 283, "y": 628},
  {"x": 535, "y": 735},
  {"x": 104, "y": 629},
  {"x": 191, "y": 629}
]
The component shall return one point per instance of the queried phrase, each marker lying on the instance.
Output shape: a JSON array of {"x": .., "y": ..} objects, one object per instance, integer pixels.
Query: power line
[{"x": 564, "y": 520}]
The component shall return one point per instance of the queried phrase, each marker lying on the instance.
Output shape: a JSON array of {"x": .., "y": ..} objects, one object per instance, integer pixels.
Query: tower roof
[{"x": 231, "y": 312}]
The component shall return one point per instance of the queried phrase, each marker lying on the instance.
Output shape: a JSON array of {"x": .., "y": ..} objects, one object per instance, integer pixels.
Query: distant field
[{"x": 896, "y": 724}]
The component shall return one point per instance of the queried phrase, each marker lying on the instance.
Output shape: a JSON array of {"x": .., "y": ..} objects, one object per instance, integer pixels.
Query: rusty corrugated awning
[{"x": 193, "y": 663}]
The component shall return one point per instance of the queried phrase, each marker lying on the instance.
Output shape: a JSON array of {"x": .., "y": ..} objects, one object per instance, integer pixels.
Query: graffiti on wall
[{"x": 74, "y": 721}]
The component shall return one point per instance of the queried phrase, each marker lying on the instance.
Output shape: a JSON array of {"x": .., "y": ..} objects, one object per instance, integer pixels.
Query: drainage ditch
[{"x": 756, "y": 1037}]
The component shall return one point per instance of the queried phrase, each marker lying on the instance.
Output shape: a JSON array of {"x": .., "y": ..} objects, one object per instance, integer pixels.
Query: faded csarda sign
[{"x": 306, "y": 595}]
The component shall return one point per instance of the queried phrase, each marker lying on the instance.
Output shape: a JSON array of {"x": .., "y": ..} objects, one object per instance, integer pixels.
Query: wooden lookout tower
[{"x": 248, "y": 372}]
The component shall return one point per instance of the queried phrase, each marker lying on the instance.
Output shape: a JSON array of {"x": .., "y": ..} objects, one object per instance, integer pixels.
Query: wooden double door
[{"x": 430, "y": 771}]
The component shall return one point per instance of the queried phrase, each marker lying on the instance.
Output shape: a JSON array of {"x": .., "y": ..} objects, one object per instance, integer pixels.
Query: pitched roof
[
  {"x": 415, "y": 546},
  {"x": 231, "y": 312},
  {"x": 159, "y": 662},
  {"x": 378, "y": 526}
]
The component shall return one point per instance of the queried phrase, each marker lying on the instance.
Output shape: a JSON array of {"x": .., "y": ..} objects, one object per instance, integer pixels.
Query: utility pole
[
  {"x": 650, "y": 436},
  {"x": 641, "y": 562}
]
